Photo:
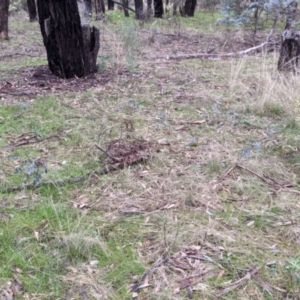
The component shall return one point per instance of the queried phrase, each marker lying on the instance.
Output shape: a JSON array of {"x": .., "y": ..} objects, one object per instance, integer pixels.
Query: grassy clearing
[{"x": 189, "y": 216}]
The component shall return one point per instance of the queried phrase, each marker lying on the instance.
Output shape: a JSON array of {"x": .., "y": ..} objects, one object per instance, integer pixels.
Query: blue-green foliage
[
  {"x": 32, "y": 170},
  {"x": 242, "y": 12}
]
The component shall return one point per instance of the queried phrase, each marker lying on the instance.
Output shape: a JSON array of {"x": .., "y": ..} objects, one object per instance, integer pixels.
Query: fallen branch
[
  {"x": 220, "y": 55},
  {"x": 29, "y": 138},
  {"x": 287, "y": 223},
  {"x": 289, "y": 190},
  {"x": 224, "y": 55},
  {"x": 228, "y": 171},
  {"x": 106, "y": 153},
  {"x": 160, "y": 262},
  {"x": 238, "y": 283},
  {"x": 127, "y": 7},
  {"x": 257, "y": 175}
]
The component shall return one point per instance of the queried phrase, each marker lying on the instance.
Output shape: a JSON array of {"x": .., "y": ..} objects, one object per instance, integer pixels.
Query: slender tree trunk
[
  {"x": 110, "y": 5},
  {"x": 32, "y": 10},
  {"x": 88, "y": 8},
  {"x": 139, "y": 9},
  {"x": 167, "y": 6},
  {"x": 291, "y": 14},
  {"x": 4, "y": 5},
  {"x": 189, "y": 8},
  {"x": 125, "y": 8},
  {"x": 175, "y": 9},
  {"x": 71, "y": 48},
  {"x": 158, "y": 9},
  {"x": 149, "y": 8},
  {"x": 99, "y": 9}
]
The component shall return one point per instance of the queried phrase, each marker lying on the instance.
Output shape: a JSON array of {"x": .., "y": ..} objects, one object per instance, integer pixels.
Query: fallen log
[{"x": 218, "y": 55}]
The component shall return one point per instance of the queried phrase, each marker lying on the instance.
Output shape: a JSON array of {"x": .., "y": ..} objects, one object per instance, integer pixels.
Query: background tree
[
  {"x": 71, "y": 48},
  {"x": 4, "y": 5},
  {"x": 291, "y": 14},
  {"x": 99, "y": 8},
  {"x": 158, "y": 9},
  {"x": 32, "y": 10},
  {"x": 125, "y": 7},
  {"x": 256, "y": 12},
  {"x": 189, "y": 7},
  {"x": 149, "y": 8},
  {"x": 88, "y": 8},
  {"x": 110, "y": 5},
  {"x": 139, "y": 9}
]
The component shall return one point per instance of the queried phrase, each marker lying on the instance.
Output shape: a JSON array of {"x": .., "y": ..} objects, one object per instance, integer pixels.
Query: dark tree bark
[
  {"x": 139, "y": 9},
  {"x": 71, "y": 48},
  {"x": 291, "y": 14},
  {"x": 175, "y": 10},
  {"x": 32, "y": 10},
  {"x": 189, "y": 8},
  {"x": 88, "y": 8},
  {"x": 290, "y": 51},
  {"x": 125, "y": 7},
  {"x": 99, "y": 8},
  {"x": 4, "y": 5},
  {"x": 149, "y": 8},
  {"x": 158, "y": 9},
  {"x": 110, "y": 5}
]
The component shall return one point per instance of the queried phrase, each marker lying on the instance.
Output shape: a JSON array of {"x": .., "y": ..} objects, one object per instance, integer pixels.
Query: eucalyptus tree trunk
[
  {"x": 189, "y": 8},
  {"x": 110, "y": 5},
  {"x": 32, "y": 10},
  {"x": 291, "y": 14},
  {"x": 99, "y": 8},
  {"x": 125, "y": 8},
  {"x": 149, "y": 8},
  {"x": 290, "y": 51},
  {"x": 139, "y": 9},
  {"x": 88, "y": 8},
  {"x": 4, "y": 5},
  {"x": 158, "y": 9},
  {"x": 71, "y": 48}
]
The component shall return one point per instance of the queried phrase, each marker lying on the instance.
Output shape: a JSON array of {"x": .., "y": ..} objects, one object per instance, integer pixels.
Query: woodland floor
[{"x": 153, "y": 178}]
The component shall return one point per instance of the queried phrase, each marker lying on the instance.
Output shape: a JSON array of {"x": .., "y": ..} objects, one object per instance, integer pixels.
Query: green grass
[
  {"x": 99, "y": 236},
  {"x": 42, "y": 241}
]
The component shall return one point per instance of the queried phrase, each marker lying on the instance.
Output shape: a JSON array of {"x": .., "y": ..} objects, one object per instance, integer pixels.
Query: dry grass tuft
[{"x": 85, "y": 281}]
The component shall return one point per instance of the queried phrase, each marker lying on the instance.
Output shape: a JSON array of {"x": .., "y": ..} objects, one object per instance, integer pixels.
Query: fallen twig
[
  {"x": 228, "y": 171},
  {"x": 29, "y": 138},
  {"x": 287, "y": 223},
  {"x": 156, "y": 265},
  {"x": 106, "y": 153},
  {"x": 238, "y": 283},
  {"x": 288, "y": 190},
  {"x": 253, "y": 173}
]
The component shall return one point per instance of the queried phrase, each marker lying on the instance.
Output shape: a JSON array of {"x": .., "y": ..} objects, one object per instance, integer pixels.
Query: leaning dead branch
[
  {"x": 27, "y": 139},
  {"x": 225, "y": 55},
  {"x": 218, "y": 55},
  {"x": 276, "y": 186},
  {"x": 238, "y": 283}
]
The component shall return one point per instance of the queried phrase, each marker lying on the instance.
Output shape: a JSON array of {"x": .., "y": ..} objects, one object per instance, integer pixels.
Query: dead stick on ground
[
  {"x": 289, "y": 190},
  {"x": 221, "y": 55},
  {"x": 229, "y": 171},
  {"x": 29, "y": 141},
  {"x": 253, "y": 173},
  {"x": 213, "y": 55},
  {"x": 239, "y": 282},
  {"x": 106, "y": 153}
]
